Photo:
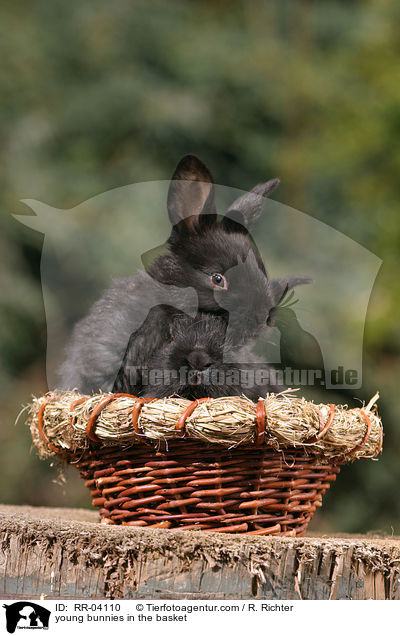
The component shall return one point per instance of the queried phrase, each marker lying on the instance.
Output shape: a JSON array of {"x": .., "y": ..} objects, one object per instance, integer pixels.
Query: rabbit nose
[{"x": 199, "y": 360}]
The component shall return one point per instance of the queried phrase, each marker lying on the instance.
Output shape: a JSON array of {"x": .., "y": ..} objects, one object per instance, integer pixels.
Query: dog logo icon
[{"x": 26, "y": 615}]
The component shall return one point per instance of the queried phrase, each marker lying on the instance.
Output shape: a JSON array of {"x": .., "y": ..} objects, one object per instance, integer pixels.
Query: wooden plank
[{"x": 63, "y": 553}]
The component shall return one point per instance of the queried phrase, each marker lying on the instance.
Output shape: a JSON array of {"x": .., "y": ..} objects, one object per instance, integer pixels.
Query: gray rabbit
[{"x": 210, "y": 265}]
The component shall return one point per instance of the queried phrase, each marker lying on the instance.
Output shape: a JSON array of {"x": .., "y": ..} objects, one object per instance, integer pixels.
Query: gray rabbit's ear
[
  {"x": 191, "y": 194},
  {"x": 247, "y": 208},
  {"x": 279, "y": 287}
]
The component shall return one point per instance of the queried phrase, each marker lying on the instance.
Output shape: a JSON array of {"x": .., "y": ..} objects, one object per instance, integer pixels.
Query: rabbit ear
[
  {"x": 191, "y": 194},
  {"x": 151, "y": 256},
  {"x": 280, "y": 286},
  {"x": 247, "y": 208}
]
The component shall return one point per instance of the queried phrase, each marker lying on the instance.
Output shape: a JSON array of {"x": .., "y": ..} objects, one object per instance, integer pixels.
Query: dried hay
[{"x": 339, "y": 434}]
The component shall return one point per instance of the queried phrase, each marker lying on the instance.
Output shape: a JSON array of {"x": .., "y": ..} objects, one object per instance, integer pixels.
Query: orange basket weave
[
  {"x": 261, "y": 487},
  {"x": 199, "y": 487}
]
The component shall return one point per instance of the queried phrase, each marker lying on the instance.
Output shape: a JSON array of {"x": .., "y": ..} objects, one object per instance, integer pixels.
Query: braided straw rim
[{"x": 67, "y": 424}]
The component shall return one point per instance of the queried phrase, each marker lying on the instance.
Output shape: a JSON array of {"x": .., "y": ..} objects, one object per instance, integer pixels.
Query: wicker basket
[
  {"x": 203, "y": 487},
  {"x": 208, "y": 465}
]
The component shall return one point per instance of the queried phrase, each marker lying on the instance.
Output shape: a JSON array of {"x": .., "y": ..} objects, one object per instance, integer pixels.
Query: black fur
[
  {"x": 131, "y": 321},
  {"x": 192, "y": 365}
]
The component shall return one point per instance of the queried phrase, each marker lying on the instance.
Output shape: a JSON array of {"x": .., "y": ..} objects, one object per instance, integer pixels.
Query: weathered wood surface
[{"x": 64, "y": 553}]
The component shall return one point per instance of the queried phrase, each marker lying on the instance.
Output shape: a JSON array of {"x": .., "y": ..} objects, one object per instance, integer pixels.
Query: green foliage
[{"x": 98, "y": 95}]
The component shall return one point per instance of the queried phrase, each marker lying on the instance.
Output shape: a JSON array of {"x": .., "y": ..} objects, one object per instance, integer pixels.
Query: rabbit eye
[{"x": 219, "y": 281}]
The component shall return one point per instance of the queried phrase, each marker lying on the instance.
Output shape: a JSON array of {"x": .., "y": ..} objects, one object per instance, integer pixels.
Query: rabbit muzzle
[{"x": 199, "y": 360}]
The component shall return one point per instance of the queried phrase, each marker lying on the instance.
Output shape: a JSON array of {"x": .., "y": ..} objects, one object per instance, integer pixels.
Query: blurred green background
[{"x": 99, "y": 95}]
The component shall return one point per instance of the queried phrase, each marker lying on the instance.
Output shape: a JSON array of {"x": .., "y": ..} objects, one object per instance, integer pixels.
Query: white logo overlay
[{"x": 292, "y": 290}]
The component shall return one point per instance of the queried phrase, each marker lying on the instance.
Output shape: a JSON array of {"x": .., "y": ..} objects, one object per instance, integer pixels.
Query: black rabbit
[
  {"x": 209, "y": 264},
  {"x": 192, "y": 364}
]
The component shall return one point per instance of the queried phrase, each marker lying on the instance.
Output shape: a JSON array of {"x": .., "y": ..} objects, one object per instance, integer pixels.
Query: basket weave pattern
[
  {"x": 222, "y": 465},
  {"x": 193, "y": 486}
]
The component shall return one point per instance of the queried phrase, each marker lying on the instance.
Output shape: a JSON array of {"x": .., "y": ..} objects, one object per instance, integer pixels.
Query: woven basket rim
[{"x": 69, "y": 423}]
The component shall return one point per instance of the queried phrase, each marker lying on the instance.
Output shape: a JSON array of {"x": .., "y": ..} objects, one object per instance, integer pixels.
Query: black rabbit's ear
[
  {"x": 280, "y": 286},
  {"x": 247, "y": 208},
  {"x": 191, "y": 194},
  {"x": 151, "y": 256}
]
